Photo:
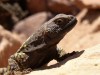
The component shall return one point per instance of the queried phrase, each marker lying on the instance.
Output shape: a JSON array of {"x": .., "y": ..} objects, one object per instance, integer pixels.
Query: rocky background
[{"x": 20, "y": 18}]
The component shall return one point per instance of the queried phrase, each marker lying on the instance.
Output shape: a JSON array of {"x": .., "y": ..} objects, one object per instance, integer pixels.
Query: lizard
[{"x": 41, "y": 46}]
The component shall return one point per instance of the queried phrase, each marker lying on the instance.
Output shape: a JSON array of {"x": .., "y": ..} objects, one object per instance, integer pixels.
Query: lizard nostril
[{"x": 70, "y": 17}]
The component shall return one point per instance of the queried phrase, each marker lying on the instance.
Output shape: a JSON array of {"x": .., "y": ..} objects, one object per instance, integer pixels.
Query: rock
[
  {"x": 36, "y": 5},
  {"x": 60, "y": 6},
  {"x": 90, "y": 4},
  {"x": 6, "y": 18},
  {"x": 27, "y": 26},
  {"x": 87, "y": 63},
  {"x": 9, "y": 43},
  {"x": 54, "y": 6}
]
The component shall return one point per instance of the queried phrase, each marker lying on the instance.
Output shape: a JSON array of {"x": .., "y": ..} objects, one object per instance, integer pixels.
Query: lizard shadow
[{"x": 70, "y": 57}]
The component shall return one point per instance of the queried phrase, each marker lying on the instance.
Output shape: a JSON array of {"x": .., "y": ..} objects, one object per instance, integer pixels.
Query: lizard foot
[{"x": 26, "y": 71}]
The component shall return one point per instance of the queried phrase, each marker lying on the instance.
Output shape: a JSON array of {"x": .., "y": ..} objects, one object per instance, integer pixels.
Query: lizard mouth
[{"x": 70, "y": 25}]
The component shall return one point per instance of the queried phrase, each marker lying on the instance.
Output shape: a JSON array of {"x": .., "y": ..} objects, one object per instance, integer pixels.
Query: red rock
[
  {"x": 90, "y": 4},
  {"x": 27, "y": 26},
  {"x": 9, "y": 43},
  {"x": 36, "y": 5},
  {"x": 60, "y": 6},
  {"x": 54, "y": 6}
]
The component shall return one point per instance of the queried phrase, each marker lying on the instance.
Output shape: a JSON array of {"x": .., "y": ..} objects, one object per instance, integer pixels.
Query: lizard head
[{"x": 59, "y": 26}]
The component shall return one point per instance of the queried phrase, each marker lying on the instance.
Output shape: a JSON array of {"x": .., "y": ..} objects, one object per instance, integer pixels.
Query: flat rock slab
[{"x": 88, "y": 63}]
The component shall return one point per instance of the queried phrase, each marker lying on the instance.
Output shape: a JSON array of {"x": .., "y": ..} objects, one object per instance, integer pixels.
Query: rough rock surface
[
  {"x": 90, "y": 4},
  {"x": 88, "y": 63},
  {"x": 9, "y": 43}
]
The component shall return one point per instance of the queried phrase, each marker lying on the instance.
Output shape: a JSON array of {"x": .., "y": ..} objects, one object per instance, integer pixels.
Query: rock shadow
[{"x": 71, "y": 56}]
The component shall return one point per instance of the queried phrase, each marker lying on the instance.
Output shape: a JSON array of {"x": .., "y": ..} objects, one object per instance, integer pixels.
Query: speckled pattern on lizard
[{"x": 41, "y": 46}]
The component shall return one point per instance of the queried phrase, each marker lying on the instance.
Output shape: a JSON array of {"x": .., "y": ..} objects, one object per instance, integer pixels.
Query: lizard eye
[{"x": 59, "y": 21}]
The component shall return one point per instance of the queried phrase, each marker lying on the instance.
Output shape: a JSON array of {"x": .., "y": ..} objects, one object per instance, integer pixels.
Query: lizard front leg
[
  {"x": 16, "y": 62},
  {"x": 61, "y": 54}
]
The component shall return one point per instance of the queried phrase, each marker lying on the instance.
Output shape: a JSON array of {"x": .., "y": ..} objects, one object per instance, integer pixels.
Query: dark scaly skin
[{"x": 41, "y": 46}]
